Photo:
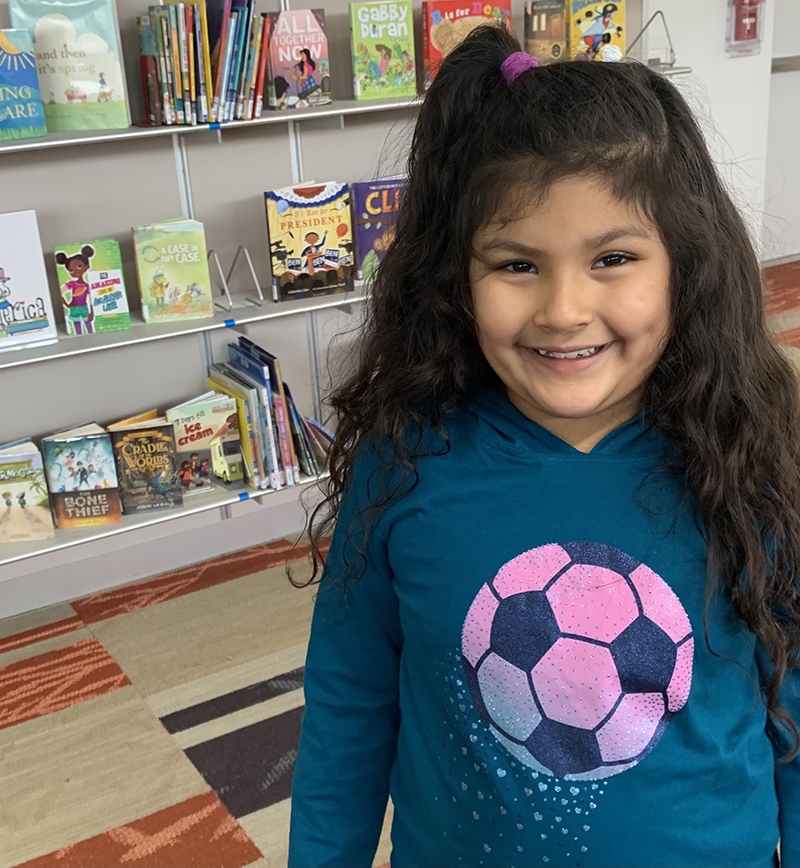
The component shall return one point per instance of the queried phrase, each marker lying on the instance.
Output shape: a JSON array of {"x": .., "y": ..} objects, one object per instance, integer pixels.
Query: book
[
  {"x": 82, "y": 477},
  {"x": 257, "y": 373},
  {"x": 79, "y": 61},
  {"x": 595, "y": 28},
  {"x": 92, "y": 287},
  {"x": 158, "y": 24},
  {"x": 248, "y": 74},
  {"x": 445, "y": 23},
  {"x": 148, "y": 70},
  {"x": 24, "y": 503},
  {"x": 218, "y": 12},
  {"x": 283, "y": 430},
  {"x": 173, "y": 33},
  {"x": 546, "y": 30},
  {"x": 262, "y": 67},
  {"x": 21, "y": 111},
  {"x": 146, "y": 460},
  {"x": 172, "y": 269},
  {"x": 375, "y": 209},
  {"x": 382, "y": 43},
  {"x": 310, "y": 240},
  {"x": 202, "y": 53},
  {"x": 26, "y": 311},
  {"x": 298, "y": 66},
  {"x": 207, "y": 442}
]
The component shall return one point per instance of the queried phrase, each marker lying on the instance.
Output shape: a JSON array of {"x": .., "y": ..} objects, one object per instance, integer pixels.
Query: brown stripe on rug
[
  {"x": 168, "y": 586},
  {"x": 49, "y": 682},
  {"x": 252, "y": 767},
  {"x": 199, "y": 832},
  {"x": 39, "y": 634},
  {"x": 236, "y": 700}
]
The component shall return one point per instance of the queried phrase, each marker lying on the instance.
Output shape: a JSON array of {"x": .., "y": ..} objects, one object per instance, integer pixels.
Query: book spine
[
  {"x": 168, "y": 72},
  {"x": 151, "y": 94},
  {"x": 285, "y": 439},
  {"x": 245, "y": 84},
  {"x": 163, "y": 81},
  {"x": 175, "y": 56},
  {"x": 250, "y": 91},
  {"x": 202, "y": 92},
  {"x": 262, "y": 68},
  {"x": 220, "y": 47},
  {"x": 233, "y": 75},
  {"x": 223, "y": 100},
  {"x": 189, "y": 23},
  {"x": 183, "y": 59}
]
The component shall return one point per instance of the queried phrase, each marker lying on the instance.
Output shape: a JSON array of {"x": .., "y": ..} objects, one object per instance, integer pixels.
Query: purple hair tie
[{"x": 517, "y": 63}]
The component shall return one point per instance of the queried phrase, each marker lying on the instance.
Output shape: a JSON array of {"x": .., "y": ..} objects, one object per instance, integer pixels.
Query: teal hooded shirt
[{"x": 522, "y": 667}]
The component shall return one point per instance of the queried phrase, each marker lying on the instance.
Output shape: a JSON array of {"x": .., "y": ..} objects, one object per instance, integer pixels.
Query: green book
[
  {"x": 172, "y": 266},
  {"x": 382, "y": 43},
  {"x": 92, "y": 287}
]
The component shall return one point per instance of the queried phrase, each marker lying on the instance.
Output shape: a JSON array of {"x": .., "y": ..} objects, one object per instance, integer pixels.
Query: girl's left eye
[
  {"x": 519, "y": 267},
  {"x": 610, "y": 260}
]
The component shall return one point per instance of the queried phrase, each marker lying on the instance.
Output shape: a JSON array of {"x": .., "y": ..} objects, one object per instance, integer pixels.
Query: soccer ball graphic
[{"x": 577, "y": 656}]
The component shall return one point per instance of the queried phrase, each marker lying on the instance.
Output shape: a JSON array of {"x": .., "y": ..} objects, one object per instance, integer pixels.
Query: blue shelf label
[
  {"x": 229, "y": 323},
  {"x": 244, "y": 495},
  {"x": 214, "y": 126}
]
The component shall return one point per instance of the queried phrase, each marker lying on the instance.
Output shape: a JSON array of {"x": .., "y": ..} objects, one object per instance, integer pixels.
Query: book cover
[
  {"x": 82, "y": 477},
  {"x": 382, "y": 42},
  {"x": 219, "y": 379},
  {"x": 24, "y": 503},
  {"x": 26, "y": 311},
  {"x": 147, "y": 468},
  {"x": 207, "y": 442},
  {"x": 546, "y": 30},
  {"x": 445, "y": 23},
  {"x": 172, "y": 268},
  {"x": 375, "y": 208},
  {"x": 79, "y": 61},
  {"x": 310, "y": 240},
  {"x": 92, "y": 287},
  {"x": 595, "y": 28},
  {"x": 298, "y": 66},
  {"x": 21, "y": 111}
]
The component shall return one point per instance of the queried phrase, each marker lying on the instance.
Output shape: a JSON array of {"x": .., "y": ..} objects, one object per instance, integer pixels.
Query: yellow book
[
  {"x": 245, "y": 429},
  {"x": 596, "y": 30}
]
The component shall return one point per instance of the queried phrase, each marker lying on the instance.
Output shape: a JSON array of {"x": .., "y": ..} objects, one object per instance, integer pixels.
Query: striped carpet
[{"x": 156, "y": 724}]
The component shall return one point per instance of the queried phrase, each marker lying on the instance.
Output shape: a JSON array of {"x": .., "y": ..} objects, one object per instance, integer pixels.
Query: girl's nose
[{"x": 563, "y": 303}]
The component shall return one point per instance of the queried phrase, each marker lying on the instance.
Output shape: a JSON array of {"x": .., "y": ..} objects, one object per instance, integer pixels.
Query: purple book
[{"x": 375, "y": 207}]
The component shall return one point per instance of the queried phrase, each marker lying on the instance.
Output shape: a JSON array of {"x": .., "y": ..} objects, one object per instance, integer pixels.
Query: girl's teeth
[{"x": 578, "y": 354}]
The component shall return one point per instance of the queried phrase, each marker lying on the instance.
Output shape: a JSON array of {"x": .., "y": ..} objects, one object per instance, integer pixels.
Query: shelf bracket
[
  {"x": 258, "y": 302},
  {"x": 184, "y": 182},
  {"x": 226, "y": 292}
]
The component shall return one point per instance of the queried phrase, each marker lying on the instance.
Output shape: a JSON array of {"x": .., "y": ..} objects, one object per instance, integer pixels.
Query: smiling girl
[{"x": 559, "y": 621}]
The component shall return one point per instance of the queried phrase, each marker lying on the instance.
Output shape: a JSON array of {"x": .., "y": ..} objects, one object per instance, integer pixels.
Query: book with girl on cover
[
  {"x": 382, "y": 41},
  {"x": 298, "y": 67}
]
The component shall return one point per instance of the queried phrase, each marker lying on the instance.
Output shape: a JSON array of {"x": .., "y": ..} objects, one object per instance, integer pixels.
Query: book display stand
[{"x": 234, "y": 310}]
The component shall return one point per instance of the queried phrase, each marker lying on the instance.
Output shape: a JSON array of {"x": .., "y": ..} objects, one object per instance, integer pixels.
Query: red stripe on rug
[
  {"x": 782, "y": 288},
  {"x": 198, "y": 832},
  {"x": 39, "y": 634},
  {"x": 790, "y": 338},
  {"x": 49, "y": 682},
  {"x": 187, "y": 580}
]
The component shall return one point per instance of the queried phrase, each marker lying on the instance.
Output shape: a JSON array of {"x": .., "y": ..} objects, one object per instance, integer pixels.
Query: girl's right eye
[{"x": 519, "y": 266}]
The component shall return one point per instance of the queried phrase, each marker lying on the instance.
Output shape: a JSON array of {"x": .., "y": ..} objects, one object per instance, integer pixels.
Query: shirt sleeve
[
  {"x": 787, "y": 781},
  {"x": 348, "y": 739}
]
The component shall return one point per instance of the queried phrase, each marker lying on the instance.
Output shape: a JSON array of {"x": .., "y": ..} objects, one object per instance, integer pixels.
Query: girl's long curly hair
[{"x": 721, "y": 391}]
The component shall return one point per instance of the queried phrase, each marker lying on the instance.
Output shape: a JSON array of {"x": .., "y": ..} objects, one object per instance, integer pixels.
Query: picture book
[
  {"x": 26, "y": 311},
  {"x": 445, "y": 23},
  {"x": 92, "y": 287},
  {"x": 375, "y": 208},
  {"x": 207, "y": 442},
  {"x": 21, "y": 111},
  {"x": 82, "y": 477},
  {"x": 382, "y": 41},
  {"x": 79, "y": 61},
  {"x": 546, "y": 30},
  {"x": 298, "y": 66},
  {"x": 172, "y": 268},
  {"x": 24, "y": 504},
  {"x": 310, "y": 240},
  {"x": 147, "y": 464},
  {"x": 596, "y": 30}
]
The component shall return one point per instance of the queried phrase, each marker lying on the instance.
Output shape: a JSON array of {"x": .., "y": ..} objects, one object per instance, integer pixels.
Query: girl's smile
[{"x": 572, "y": 308}]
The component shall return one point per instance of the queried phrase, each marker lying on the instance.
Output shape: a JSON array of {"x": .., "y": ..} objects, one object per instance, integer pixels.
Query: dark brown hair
[{"x": 722, "y": 391}]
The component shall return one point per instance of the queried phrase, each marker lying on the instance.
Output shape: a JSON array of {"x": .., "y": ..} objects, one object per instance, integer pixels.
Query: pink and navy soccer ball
[{"x": 577, "y": 656}]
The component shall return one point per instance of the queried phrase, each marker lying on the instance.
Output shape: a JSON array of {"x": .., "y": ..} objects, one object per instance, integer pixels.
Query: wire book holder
[
  {"x": 225, "y": 291},
  {"x": 258, "y": 302}
]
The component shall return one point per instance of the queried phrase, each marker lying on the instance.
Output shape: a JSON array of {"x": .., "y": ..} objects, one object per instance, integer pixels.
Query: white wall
[{"x": 781, "y": 236}]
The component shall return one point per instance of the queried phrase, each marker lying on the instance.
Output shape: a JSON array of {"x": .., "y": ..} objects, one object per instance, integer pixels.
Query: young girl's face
[{"x": 582, "y": 270}]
